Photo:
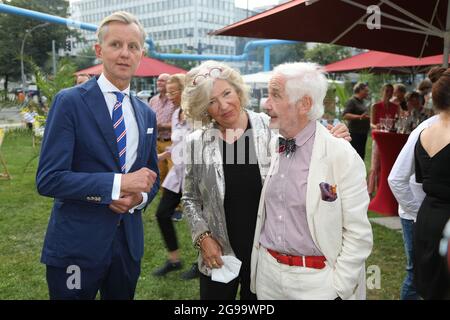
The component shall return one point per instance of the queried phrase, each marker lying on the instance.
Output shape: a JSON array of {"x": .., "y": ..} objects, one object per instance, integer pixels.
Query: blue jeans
[{"x": 408, "y": 288}]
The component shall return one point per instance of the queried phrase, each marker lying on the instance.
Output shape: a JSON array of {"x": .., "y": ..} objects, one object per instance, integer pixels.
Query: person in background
[
  {"x": 227, "y": 162},
  {"x": 399, "y": 96},
  {"x": 384, "y": 108},
  {"x": 357, "y": 115},
  {"x": 381, "y": 109},
  {"x": 432, "y": 158},
  {"x": 409, "y": 194},
  {"x": 29, "y": 116},
  {"x": 312, "y": 233},
  {"x": 164, "y": 110},
  {"x": 98, "y": 161},
  {"x": 424, "y": 89},
  {"x": 416, "y": 112},
  {"x": 21, "y": 97},
  {"x": 82, "y": 78},
  {"x": 172, "y": 185}
]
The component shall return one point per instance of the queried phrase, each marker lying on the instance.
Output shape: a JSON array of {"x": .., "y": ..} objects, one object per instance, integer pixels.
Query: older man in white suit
[{"x": 312, "y": 235}]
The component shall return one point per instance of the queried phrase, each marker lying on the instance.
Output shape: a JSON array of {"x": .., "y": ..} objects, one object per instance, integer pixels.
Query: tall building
[{"x": 172, "y": 24}]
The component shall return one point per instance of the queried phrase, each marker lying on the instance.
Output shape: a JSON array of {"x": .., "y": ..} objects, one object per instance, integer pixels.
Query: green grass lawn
[{"x": 23, "y": 221}]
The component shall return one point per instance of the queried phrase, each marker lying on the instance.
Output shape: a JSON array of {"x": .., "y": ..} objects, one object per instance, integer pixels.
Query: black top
[
  {"x": 434, "y": 172},
  {"x": 430, "y": 269},
  {"x": 357, "y": 106},
  {"x": 242, "y": 192}
]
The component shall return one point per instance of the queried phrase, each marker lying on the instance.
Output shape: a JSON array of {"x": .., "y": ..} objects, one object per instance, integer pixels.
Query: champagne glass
[
  {"x": 389, "y": 123},
  {"x": 383, "y": 124}
]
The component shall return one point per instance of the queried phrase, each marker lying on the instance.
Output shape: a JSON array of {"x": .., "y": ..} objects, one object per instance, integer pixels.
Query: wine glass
[
  {"x": 383, "y": 124},
  {"x": 389, "y": 123}
]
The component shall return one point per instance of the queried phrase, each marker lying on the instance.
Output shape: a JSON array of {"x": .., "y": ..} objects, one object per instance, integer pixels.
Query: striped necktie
[{"x": 119, "y": 129}]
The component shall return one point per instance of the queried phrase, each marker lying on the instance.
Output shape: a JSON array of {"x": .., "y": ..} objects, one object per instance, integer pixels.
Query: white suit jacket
[{"x": 340, "y": 229}]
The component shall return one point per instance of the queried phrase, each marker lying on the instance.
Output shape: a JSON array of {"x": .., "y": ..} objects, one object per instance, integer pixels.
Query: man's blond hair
[{"x": 120, "y": 16}]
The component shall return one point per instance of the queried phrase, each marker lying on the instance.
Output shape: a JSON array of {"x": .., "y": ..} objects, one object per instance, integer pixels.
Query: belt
[
  {"x": 315, "y": 262},
  {"x": 164, "y": 139}
]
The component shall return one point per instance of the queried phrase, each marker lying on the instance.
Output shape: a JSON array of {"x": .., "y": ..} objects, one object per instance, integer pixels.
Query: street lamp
[
  {"x": 200, "y": 47},
  {"x": 21, "y": 50}
]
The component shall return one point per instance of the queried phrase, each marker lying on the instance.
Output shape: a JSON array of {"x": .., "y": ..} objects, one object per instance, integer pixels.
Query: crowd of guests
[
  {"x": 397, "y": 111},
  {"x": 418, "y": 176},
  {"x": 276, "y": 198}
]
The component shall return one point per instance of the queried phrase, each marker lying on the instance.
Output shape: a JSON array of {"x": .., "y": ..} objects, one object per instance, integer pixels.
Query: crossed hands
[{"x": 132, "y": 184}]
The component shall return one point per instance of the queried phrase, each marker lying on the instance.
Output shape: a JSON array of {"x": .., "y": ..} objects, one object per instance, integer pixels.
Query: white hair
[{"x": 305, "y": 79}]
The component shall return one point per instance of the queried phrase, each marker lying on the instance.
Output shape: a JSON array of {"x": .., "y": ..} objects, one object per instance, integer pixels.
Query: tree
[
  {"x": 38, "y": 44},
  {"x": 84, "y": 59},
  {"x": 280, "y": 53},
  {"x": 287, "y": 53},
  {"x": 50, "y": 85},
  {"x": 183, "y": 64},
  {"x": 324, "y": 54}
]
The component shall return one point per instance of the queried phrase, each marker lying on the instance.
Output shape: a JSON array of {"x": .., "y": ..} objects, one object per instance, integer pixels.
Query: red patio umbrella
[
  {"x": 376, "y": 61},
  {"x": 147, "y": 68},
  {"x": 415, "y": 28}
]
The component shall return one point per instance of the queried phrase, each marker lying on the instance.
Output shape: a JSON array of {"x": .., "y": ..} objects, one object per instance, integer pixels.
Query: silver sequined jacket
[{"x": 204, "y": 186}]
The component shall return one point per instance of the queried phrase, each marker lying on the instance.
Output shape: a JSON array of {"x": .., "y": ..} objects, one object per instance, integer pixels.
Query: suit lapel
[
  {"x": 95, "y": 100},
  {"x": 317, "y": 174},
  {"x": 141, "y": 128}
]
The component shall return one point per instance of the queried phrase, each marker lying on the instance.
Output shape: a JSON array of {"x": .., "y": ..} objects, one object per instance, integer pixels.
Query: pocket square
[
  {"x": 328, "y": 192},
  {"x": 149, "y": 130}
]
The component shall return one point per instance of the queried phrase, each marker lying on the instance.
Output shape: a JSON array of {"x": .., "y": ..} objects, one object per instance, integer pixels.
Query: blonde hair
[
  {"x": 178, "y": 79},
  {"x": 400, "y": 87},
  {"x": 120, "y": 16},
  {"x": 195, "y": 97}
]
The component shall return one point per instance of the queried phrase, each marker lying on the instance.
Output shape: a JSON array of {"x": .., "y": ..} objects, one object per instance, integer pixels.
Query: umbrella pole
[{"x": 447, "y": 38}]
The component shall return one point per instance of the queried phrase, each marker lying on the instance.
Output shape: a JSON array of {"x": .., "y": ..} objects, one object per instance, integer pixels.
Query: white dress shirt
[
  {"x": 402, "y": 178},
  {"x": 132, "y": 135}
]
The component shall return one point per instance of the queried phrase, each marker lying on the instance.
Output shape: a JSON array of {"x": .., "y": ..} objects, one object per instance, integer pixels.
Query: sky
[{"x": 254, "y": 3}]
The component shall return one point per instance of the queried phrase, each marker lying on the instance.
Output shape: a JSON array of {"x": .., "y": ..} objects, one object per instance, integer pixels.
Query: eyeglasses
[
  {"x": 213, "y": 73},
  {"x": 172, "y": 94}
]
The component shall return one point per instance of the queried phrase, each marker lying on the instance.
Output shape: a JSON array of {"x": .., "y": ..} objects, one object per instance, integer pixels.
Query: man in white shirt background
[{"x": 409, "y": 195}]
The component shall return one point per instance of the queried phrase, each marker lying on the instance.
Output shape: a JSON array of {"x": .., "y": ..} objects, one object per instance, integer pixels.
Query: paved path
[{"x": 10, "y": 118}]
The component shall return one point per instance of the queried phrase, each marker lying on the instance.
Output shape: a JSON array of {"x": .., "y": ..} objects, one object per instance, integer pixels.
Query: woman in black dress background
[{"x": 433, "y": 170}]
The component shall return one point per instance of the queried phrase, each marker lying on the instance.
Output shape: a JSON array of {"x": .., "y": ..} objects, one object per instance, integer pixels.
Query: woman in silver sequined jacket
[{"x": 213, "y": 98}]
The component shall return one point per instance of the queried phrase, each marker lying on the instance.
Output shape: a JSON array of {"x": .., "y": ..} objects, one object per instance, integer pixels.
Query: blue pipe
[
  {"x": 267, "y": 58},
  {"x": 244, "y": 56},
  {"x": 152, "y": 49},
  {"x": 47, "y": 17}
]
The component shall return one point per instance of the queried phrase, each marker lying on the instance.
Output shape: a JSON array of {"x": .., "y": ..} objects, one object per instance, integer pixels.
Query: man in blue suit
[{"x": 99, "y": 162}]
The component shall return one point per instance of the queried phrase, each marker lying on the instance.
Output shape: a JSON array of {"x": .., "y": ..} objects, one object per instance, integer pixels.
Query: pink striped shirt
[{"x": 164, "y": 110}]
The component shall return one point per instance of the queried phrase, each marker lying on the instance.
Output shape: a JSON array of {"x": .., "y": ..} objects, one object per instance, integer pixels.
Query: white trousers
[{"x": 276, "y": 281}]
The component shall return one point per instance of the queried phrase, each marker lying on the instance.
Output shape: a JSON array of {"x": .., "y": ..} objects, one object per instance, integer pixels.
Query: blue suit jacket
[{"x": 78, "y": 161}]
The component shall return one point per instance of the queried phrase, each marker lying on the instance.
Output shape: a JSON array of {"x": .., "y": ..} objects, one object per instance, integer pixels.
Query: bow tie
[{"x": 287, "y": 146}]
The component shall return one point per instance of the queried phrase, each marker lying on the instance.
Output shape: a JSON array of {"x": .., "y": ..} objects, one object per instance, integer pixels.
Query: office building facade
[{"x": 174, "y": 25}]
